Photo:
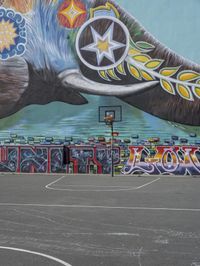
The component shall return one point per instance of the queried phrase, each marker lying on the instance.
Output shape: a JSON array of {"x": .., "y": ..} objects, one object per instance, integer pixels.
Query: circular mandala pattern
[
  {"x": 102, "y": 43},
  {"x": 12, "y": 34}
]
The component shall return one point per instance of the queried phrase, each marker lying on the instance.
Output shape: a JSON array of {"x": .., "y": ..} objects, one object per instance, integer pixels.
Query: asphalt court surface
[{"x": 99, "y": 220}]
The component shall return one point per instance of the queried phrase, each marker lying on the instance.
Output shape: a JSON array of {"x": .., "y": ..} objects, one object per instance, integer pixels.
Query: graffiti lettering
[
  {"x": 49, "y": 159},
  {"x": 176, "y": 160},
  {"x": 163, "y": 160}
]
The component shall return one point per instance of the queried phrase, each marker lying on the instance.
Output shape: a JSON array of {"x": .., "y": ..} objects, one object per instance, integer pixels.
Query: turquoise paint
[{"x": 174, "y": 23}]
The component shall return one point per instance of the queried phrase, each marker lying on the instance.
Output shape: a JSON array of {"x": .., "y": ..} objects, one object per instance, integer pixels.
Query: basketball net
[{"x": 109, "y": 119}]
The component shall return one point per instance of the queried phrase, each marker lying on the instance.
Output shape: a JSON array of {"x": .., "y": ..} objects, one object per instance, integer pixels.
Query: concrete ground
[{"x": 51, "y": 220}]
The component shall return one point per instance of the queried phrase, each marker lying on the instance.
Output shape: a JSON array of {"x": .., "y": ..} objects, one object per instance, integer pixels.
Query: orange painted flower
[{"x": 72, "y": 13}]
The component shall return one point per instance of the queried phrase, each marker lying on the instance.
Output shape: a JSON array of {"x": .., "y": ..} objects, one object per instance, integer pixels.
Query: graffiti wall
[
  {"x": 49, "y": 159},
  {"x": 176, "y": 160},
  {"x": 160, "y": 160}
]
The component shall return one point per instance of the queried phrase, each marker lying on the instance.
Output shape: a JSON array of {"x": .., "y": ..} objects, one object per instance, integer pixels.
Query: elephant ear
[{"x": 175, "y": 96}]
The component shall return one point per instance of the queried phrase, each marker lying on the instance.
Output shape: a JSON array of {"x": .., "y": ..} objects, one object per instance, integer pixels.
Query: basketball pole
[
  {"x": 111, "y": 146},
  {"x": 109, "y": 119},
  {"x": 109, "y": 115}
]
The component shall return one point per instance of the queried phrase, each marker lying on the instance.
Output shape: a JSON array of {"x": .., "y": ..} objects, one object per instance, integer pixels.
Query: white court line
[
  {"x": 38, "y": 254},
  {"x": 119, "y": 188},
  {"x": 149, "y": 183},
  {"x": 97, "y": 207},
  {"x": 52, "y": 183}
]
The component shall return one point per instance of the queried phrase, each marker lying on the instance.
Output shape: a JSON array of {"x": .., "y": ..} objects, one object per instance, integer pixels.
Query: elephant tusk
[{"x": 77, "y": 81}]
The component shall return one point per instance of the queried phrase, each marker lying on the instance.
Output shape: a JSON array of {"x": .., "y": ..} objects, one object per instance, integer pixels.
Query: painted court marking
[
  {"x": 61, "y": 262},
  {"x": 98, "y": 207},
  {"x": 96, "y": 188}
]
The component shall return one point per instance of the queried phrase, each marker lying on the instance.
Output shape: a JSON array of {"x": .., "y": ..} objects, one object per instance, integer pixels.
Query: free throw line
[{"x": 118, "y": 188}]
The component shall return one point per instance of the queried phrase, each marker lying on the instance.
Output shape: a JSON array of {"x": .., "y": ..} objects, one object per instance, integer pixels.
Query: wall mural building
[{"x": 75, "y": 55}]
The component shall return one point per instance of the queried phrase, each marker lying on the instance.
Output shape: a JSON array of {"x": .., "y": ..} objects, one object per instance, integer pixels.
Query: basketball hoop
[
  {"x": 109, "y": 119},
  {"x": 109, "y": 115}
]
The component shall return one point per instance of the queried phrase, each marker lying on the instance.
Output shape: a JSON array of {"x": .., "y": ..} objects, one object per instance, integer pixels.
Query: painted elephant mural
[{"x": 58, "y": 50}]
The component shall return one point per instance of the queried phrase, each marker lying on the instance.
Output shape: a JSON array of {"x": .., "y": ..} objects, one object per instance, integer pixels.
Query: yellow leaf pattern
[
  {"x": 188, "y": 75},
  {"x": 112, "y": 74},
  {"x": 135, "y": 72},
  {"x": 142, "y": 58},
  {"x": 169, "y": 71},
  {"x": 121, "y": 70},
  {"x": 154, "y": 64},
  {"x": 167, "y": 86},
  {"x": 146, "y": 68},
  {"x": 103, "y": 75},
  {"x": 196, "y": 90},
  {"x": 133, "y": 51},
  {"x": 184, "y": 92},
  {"x": 146, "y": 75}
]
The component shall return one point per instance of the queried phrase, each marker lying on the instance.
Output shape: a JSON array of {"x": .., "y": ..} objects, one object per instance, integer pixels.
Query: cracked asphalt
[{"x": 52, "y": 220}]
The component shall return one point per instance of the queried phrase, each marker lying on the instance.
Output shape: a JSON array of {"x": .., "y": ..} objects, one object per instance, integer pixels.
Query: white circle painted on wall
[{"x": 102, "y": 43}]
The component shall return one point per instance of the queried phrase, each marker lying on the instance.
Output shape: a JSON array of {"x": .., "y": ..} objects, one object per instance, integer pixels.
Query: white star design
[{"x": 103, "y": 46}]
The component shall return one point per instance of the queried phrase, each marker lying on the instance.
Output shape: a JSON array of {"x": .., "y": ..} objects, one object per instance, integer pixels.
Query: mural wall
[
  {"x": 160, "y": 160},
  {"x": 74, "y": 55},
  {"x": 58, "y": 50},
  {"x": 49, "y": 159},
  {"x": 176, "y": 160}
]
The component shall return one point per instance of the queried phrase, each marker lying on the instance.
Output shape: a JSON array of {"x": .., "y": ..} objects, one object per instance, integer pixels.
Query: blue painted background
[{"x": 174, "y": 23}]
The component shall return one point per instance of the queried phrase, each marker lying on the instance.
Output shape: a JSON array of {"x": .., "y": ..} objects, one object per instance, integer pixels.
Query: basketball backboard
[{"x": 114, "y": 111}]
